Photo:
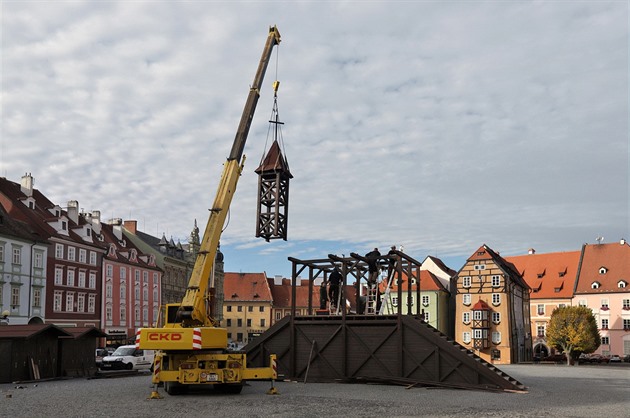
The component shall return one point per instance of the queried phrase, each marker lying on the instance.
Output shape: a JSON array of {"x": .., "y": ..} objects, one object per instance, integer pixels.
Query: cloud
[{"x": 437, "y": 125}]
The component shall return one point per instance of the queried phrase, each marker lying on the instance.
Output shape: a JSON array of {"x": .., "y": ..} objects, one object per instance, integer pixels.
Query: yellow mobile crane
[{"x": 190, "y": 347}]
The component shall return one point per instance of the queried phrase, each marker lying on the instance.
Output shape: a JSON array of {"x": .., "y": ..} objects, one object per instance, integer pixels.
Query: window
[
  {"x": 15, "y": 296},
  {"x": 621, "y": 284},
  {"x": 540, "y": 329},
  {"x": 17, "y": 256},
  {"x": 626, "y": 304},
  {"x": 57, "y": 301},
  {"x": 477, "y": 334},
  {"x": 239, "y": 308},
  {"x": 136, "y": 293},
  {"x": 480, "y": 266},
  {"x": 136, "y": 312},
  {"x": 81, "y": 302},
  {"x": 477, "y": 315},
  {"x": 228, "y": 308},
  {"x": 59, "y": 251},
  {"x": 249, "y": 323},
  {"x": 91, "y": 303},
  {"x": 71, "y": 253},
  {"x": 604, "y": 323},
  {"x": 467, "y": 299},
  {"x": 496, "y": 337},
  {"x": 145, "y": 294},
  {"x": 37, "y": 297},
  {"x": 59, "y": 276},
  {"x": 278, "y": 315},
  {"x": 81, "y": 279},
  {"x": 229, "y": 322},
  {"x": 250, "y": 309},
  {"x": 466, "y": 281},
  {"x": 108, "y": 290},
  {"x": 425, "y": 300},
  {"x": 606, "y": 340},
  {"x": 123, "y": 314},
  {"x": 145, "y": 277},
  {"x": 39, "y": 260},
  {"x": 541, "y": 310},
  {"x": 496, "y": 298},
  {"x": 92, "y": 258},
  {"x": 261, "y": 309},
  {"x": 603, "y": 270},
  {"x": 239, "y": 322},
  {"x": 71, "y": 277},
  {"x": 262, "y": 323},
  {"x": 626, "y": 324},
  {"x": 496, "y": 317},
  {"x": 496, "y": 281},
  {"x": 595, "y": 285},
  {"x": 108, "y": 312},
  {"x": 605, "y": 304},
  {"x": 466, "y": 317},
  {"x": 466, "y": 337},
  {"x": 92, "y": 283},
  {"x": 82, "y": 256},
  {"x": 395, "y": 301},
  {"x": 239, "y": 336},
  {"x": 1, "y": 253},
  {"x": 109, "y": 271},
  {"x": 582, "y": 302},
  {"x": 155, "y": 295},
  {"x": 426, "y": 317},
  {"x": 70, "y": 301}
]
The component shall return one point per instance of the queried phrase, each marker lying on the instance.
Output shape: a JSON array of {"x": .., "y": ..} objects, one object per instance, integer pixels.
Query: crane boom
[
  {"x": 192, "y": 310},
  {"x": 191, "y": 348}
]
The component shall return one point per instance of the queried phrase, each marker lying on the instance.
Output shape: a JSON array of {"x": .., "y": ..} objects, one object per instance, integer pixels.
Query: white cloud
[{"x": 437, "y": 125}]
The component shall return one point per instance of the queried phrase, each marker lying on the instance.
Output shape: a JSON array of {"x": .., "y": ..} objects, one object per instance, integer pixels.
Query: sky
[{"x": 438, "y": 126}]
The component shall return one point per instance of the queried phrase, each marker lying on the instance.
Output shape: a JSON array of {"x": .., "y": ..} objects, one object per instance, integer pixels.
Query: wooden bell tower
[{"x": 273, "y": 186}]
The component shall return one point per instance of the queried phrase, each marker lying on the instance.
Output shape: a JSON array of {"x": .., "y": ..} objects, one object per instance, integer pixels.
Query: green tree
[{"x": 573, "y": 329}]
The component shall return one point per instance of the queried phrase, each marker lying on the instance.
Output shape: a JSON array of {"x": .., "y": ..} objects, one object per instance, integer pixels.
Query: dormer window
[
  {"x": 595, "y": 285},
  {"x": 621, "y": 284},
  {"x": 541, "y": 274},
  {"x": 603, "y": 270},
  {"x": 64, "y": 225}
]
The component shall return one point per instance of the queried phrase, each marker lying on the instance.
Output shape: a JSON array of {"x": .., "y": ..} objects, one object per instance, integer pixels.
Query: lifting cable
[{"x": 275, "y": 126}]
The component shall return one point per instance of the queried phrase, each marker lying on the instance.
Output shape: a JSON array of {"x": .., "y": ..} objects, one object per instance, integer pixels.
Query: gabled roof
[
  {"x": 613, "y": 260},
  {"x": 481, "y": 306},
  {"x": 30, "y": 331},
  {"x": 485, "y": 253},
  {"x": 252, "y": 287},
  {"x": 282, "y": 294},
  {"x": 550, "y": 275},
  {"x": 274, "y": 161},
  {"x": 81, "y": 332},
  {"x": 440, "y": 264},
  {"x": 123, "y": 248},
  {"x": 428, "y": 282},
  {"x": 17, "y": 229}
]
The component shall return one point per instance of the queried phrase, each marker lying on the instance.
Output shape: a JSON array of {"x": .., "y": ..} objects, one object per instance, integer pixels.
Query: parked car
[
  {"x": 128, "y": 357},
  {"x": 99, "y": 355},
  {"x": 557, "y": 358},
  {"x": 626, "y": 358},
  {"x": 614, "y": 359}
]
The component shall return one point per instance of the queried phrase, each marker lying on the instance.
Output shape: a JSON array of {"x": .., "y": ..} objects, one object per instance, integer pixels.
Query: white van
[{"x": 128, "y": 357}]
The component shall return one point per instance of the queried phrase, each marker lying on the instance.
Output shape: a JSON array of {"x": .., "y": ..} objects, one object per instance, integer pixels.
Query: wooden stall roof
[
  {"x": 80, "y": 332},
  {"x": 30, "y": 331}
]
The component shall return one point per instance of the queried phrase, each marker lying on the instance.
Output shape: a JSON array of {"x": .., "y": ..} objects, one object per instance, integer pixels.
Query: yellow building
[
  {"x": 247, "y": 306},
  {"x": 492, "y": 309}
]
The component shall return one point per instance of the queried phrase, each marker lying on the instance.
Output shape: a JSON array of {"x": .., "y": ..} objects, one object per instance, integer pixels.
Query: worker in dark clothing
[
  {"x": 372, "y": 259},
  {"x": 323, "y": 295},
  {"x": 392, "y": 260},
  {"x": 334, "y": 281}
]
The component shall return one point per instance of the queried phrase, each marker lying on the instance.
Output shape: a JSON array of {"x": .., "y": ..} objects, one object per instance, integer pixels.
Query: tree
[{"x": 573, "y": 329}]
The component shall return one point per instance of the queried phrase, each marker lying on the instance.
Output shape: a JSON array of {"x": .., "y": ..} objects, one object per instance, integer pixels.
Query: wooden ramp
[{"x": 394, "y": 349}]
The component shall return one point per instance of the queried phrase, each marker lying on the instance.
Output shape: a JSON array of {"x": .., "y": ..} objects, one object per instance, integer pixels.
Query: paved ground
[{"x": 554, "y": 391}]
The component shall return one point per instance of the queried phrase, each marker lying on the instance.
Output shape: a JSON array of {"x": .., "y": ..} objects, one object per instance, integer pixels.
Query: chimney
[
  {"x": 73, "y": 211},
  {"x": 116, "y": 224},
  {"x": 26, "y": 184},
  {"x": 131, "y": 226},
  {"x": 622, "y": 241},
  {"x": 95, "y": 219},
  {"x": 531, "y": 251}
]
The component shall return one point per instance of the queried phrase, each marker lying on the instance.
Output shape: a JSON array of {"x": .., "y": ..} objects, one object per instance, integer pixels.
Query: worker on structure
[
  {"x": 372, "y": 259},
  {"x": 323, "y": 295},
  {"x": 334, "y": 281},
  {"x": 392, "y": 259}
]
